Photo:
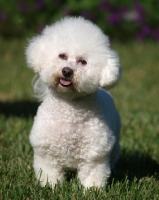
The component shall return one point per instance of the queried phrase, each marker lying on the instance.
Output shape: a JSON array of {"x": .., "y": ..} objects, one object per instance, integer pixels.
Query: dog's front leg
[
  {"x": 46, "y": 171},
  {"x": 94, "y": 173}
]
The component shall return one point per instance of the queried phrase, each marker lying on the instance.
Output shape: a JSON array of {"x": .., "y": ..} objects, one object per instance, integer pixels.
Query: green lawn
[{"x": 137, "y": 99}]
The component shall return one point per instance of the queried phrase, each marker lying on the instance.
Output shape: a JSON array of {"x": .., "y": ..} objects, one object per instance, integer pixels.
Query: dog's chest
[
  {"x": 70, "y": 112},
  {"x": 68, "y": 128}
]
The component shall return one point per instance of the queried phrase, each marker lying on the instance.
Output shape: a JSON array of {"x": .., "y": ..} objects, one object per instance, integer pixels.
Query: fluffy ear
[
  {"x": 111, "y": 72},
  {"x": 34, "y": 53}
]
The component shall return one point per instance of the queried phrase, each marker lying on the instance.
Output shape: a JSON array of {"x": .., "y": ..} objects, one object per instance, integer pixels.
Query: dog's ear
[
  {"x": 111, "y": 72},
  {"x": 34, "y": 53}
]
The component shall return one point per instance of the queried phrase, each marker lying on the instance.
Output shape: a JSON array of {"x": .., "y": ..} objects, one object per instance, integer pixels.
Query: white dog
[{"x": 77, "y": 125}]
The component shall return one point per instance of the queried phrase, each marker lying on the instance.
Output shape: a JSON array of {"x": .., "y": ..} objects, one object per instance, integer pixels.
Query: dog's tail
[{"x": 40, "y": 89}]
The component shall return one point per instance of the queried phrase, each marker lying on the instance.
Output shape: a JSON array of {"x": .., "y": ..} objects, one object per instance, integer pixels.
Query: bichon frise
[{"x": 77, "y": 125}]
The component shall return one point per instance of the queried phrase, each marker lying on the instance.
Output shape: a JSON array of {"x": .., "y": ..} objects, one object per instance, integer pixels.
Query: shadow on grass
[
  {"x": 19, "y": 108},
  {"x": 134, "y": 165}
]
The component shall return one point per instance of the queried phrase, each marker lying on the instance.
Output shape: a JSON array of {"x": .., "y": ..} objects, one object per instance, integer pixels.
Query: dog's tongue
[{"x": 65, "y": 82}]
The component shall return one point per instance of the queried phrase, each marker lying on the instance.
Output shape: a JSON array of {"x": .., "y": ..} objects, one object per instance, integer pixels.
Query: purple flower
[
  {"x": 140, "y": 36},
  {"x": 87, "y": 15},
  {"x": 123, "y": 10},
  {"x": 139, "y": 8},
  {"x": 114, "y": 18},
  {"x": 23, "y": 7},
  {"x": 66, "y": 11},
  {"x": 105, "y": 6},
  {"x": 145, "y": 32},
  {"x": 155, "y": 34},
  {"x": 39, "y": 4},
  {"x": 140, "y": 19},
  {"x": 3, "y": 16}
]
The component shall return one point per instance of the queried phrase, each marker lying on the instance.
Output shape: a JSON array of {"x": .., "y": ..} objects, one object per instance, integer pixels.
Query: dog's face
[{"x": 73, "y": 55}]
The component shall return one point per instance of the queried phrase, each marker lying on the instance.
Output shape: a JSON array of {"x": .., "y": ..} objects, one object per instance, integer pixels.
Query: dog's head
[{"x": 73, "y": 55}]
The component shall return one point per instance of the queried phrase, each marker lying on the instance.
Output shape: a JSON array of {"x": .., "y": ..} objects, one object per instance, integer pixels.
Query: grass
[{"x": 136, "y": 97}]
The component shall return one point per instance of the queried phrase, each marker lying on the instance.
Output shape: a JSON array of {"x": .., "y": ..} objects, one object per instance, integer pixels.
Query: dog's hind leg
[{"x": 94, "y": 173}]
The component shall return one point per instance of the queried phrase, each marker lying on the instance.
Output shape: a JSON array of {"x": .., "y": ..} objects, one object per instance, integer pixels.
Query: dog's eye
[
  {"x": 83, "y": 62},
  {"x": 63, "y": 56}
]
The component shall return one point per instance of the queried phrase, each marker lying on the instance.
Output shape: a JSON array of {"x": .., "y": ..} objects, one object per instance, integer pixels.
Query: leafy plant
[{"x": 120, "y": 20}]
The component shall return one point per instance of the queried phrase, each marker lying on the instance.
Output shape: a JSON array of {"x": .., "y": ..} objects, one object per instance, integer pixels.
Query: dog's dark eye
[
  {"x": 63, "y": 56},
  {"x": 83, "y": 62}
]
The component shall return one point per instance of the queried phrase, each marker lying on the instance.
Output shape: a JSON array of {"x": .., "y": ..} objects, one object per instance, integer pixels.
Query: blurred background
[{"x": 121, "y": 20}]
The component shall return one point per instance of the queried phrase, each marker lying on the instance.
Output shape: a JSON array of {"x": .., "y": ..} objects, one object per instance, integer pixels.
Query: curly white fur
[{"x": 77, "y": 125}]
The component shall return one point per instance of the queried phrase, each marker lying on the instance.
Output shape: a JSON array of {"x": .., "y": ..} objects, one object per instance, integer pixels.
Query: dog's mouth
[{"x": 65, "y": 82}]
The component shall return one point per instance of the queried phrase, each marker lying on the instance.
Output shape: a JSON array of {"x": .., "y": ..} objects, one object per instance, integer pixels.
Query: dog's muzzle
[{"x": 67, "y": 74}]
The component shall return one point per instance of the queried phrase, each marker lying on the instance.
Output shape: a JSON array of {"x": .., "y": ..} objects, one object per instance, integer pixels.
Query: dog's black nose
[{"x": 67, "y": 72}]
